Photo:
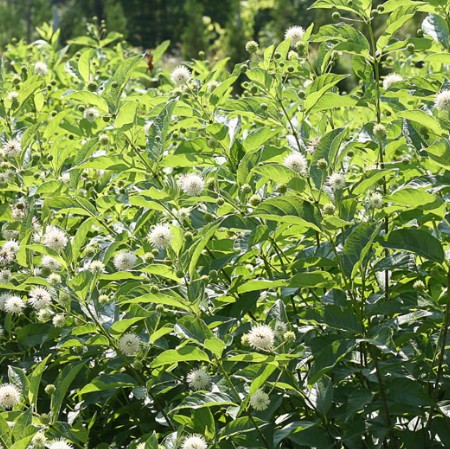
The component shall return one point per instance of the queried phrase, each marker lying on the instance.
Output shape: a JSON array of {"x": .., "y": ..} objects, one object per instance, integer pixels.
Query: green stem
[{"x": 233, "y": 388}]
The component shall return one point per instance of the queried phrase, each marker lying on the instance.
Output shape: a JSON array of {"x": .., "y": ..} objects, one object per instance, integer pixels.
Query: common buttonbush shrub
[{"x": 203, "y": 258}]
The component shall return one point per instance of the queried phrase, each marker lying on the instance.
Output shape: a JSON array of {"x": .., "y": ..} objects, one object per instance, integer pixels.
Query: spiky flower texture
[
  {"x": 443, "y": 101},
  {"x": 180, "y": 75},
  {"x": 198, "y": 379},
  {"x": 194, "y": 442},
  {"x": 261, "y": 337},
  {"x": 9, "y": 396}
]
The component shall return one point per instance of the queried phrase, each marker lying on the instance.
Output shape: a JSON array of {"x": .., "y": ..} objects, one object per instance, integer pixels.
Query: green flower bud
[{"x": 251, "y": 46}]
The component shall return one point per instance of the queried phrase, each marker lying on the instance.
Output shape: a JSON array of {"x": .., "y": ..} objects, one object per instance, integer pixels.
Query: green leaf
[
  {"x": 287, "y": 209},
  {"x": 160, "y": 50},
  {"x": 417, "y": 241},
  {"x": 184, "y": 354},
  {"x": 159, "y": 298},
  {"x": 289, "y": 429},
  {"x": 119, "y": 327},
  {"x": 215, "y": 345},
  {"x": 261, "y": 378},
  {"x": 327, "y": 358},
  {"x": 89, "y": 99},
  {"x": 318, "y": 88},
  {"x": 356, "y": 247},
  {"x": 322, "y": 395},
  {"x": 35, "y": 380},
  {"x": 416, "y": 199},
  {"x": 116, "y": 84},
  {"x": 80, "y": 238},
  {"x": 65, "y": 378},
  {"x": 108, "y": 382},
  {"x": 423, "y": 119},
  {"x": 201, "y": 399},
  {"x": 436, "y": 27},
  {"x": 239, "y": 426},
  {"x": 84, "y": 65},
  {"x": 327, "y": 149},
  {"x": 439, "y": 151}
]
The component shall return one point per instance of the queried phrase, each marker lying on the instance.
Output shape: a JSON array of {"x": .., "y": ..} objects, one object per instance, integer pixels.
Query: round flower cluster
[
  {"x": 391, "y": 79},
  {"x": 14, "y": 304},
  {"x": 39, "y": 298},
  {"x": 8, "y": 252},
  {"x": 295, "y": 34},
  {"x": 375, "y": 200},
  {"x": 443, "y": 101},
  {"x": 125, "y": 261},
  {"x": 160, "y": 236},
  {"x": 191, "y": 184},
  {"x": 90, "y": 114},
  {"x": 12, "y": 148},
  {"x": 50, "y": 263},
  {"x": 298, "y": 163},
  {"x": 259, "y": 400},
  {"x": 129, "y": 344},
  {"x": 40, "y": 68},
  {"x": 194, "y": 442},
  {"x": 55, "y": 238},
  {"x": 96, "y": 267},
  {"x": 9, "y": 396},
  {"x": 59, "y": 444},
  {"x": 180, "y": 75},
  {"x": 198, "y": 379},
  {"x": 336, "y": 181},
  {"x": 261, "y": 337}
]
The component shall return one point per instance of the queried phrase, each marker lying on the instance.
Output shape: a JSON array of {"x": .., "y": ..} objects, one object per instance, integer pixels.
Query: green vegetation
[{"x": 204, "y": 258}]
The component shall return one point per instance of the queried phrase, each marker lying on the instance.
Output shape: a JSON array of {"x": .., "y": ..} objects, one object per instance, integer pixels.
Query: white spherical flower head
[
  {"x": 58, "y": 320},
  {"x": 40, "y": 68},
  {"x": 39, "y": 440},
  {"x": 59, "y": 444},
  {"x": 298, "y": 163},
  {"x": 259, "y": 400},
  {"x": 55, "y": 238},
  {"x": 375, "y": 200},
  {"x": 125, "y": 261},
  {"x": 90, "y": 114},
  {"x": 14, "y": 305},
  {"x": 180, "y": 75},
  {"x": 295, "y": 34},
  {"x": 96, "y": 267},
  {"x": 12, "y": 246},
  {"x": 40, "y": 298},
  {"x": 50, "y": 263},
  {"x": 191, "y": 184},
  {"x": 391, "y": 79},
  {"x": 443, "y": 101},
  {"x": 336, "y": 181},
  {"x": 194, "y": 442},
  {"x": 261, "y": 337},
  {"x": 198, "y": 379},
  {"x": 12, "y": 148},
  {"x": 9, "y": 396},
  {"x": 129, "y": 344},
  {"x": 160, "y": 236}
]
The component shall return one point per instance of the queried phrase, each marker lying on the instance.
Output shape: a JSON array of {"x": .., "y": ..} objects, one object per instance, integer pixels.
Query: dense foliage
[
  {"x": 191, "y": 25},
  {"x": 186, "y": 266}
]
